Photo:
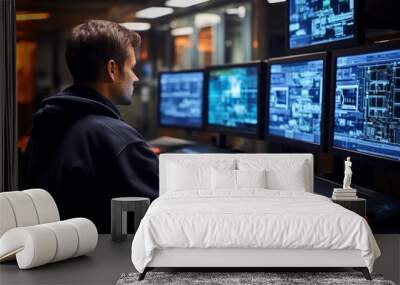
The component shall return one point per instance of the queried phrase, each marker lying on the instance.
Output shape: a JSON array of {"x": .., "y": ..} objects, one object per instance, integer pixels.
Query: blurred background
[
  {"x": 212, "y": 32},
  {"x": 179, "y": 34}
]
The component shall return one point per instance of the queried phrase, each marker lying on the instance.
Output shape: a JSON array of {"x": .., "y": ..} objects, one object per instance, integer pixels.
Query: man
[{"x": 80, "y": 150}]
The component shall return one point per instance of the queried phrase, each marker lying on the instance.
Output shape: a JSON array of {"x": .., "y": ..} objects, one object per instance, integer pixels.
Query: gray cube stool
[{"x": 119, "y": 208}]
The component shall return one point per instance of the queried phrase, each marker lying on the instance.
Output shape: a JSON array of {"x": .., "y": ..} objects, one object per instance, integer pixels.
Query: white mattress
[{"x": 253, "y": 218}]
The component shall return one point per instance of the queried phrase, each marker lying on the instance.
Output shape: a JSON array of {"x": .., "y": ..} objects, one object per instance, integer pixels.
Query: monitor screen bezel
[
  {"x": 359, "y": 31},
  {"x": 177, "y": 126},
  {"x": 257, "y": 133},
  {"x": 324, "y": 108},
  {"x": 341, "y": 152}
]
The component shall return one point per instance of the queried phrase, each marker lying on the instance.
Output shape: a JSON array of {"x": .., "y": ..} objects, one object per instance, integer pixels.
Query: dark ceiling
[{"x": 65, "y": 14}]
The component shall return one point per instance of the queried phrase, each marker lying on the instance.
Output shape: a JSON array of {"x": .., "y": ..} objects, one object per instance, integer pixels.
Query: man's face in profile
[{"x": 124, "y": 86}]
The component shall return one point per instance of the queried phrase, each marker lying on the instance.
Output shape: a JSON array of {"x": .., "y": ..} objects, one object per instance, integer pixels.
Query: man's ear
[{"x": 112, "y": 70}]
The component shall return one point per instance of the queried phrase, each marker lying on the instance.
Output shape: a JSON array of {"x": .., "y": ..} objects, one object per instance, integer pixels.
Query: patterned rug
[{"x": 243, "y": 278}]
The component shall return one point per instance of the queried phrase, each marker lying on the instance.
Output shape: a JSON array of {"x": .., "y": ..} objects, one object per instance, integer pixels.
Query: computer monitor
[
  {"x": 233, "y": 99},
  {"x": 180, "y": 99},
  {"x": 366, "y": 102},
  {"x": 318, "y": 25},
  {"x": 296, "y": 88}
]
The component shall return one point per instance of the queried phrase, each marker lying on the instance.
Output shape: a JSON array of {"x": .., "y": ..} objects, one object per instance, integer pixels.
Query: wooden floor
[{"x": 103, "y": 266}]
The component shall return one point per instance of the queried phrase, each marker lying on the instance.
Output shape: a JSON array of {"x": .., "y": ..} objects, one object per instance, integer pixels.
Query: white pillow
[
  {"x": 226, "y": 179},
  {"x": 183, "y": 177},
  {"x": 223, "y": 179},
  {"x": 186, "y": 174},
  {"x": 291, "y": 179},
  {"x": 282, "y": 174},
  {"x": 251, "y": 178}
]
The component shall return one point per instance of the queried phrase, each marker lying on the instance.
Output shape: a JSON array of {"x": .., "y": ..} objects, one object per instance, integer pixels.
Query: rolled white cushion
[
  {"x": 23, "y": 208},
  {"x": 7, "y": 218},
  {"x": 67, "y": 240},
  {"x": 45, "y": 205},
  {"x": 33, "y": 246},
  {"x": 37, "y": 245},
  {"x": 87, "y": 234}
]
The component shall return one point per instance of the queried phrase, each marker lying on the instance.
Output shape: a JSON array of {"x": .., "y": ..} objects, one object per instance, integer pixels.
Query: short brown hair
[{"x": 91, "y": 44}]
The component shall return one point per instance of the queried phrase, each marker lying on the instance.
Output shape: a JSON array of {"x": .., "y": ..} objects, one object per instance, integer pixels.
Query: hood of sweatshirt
[{"x": 58, "y": 112}]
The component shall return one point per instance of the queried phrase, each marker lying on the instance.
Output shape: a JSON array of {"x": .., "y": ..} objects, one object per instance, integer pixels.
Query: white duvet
[{"x": 252, "y": 218}]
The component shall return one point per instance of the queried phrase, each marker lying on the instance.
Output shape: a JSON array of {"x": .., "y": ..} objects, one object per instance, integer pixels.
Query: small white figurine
[{"x": 347, "y": 174}]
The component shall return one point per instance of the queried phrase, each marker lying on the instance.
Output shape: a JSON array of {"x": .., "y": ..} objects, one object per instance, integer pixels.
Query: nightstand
[
  {"x": 357, "y": 205},
  {"x": 119, "y": 209}
]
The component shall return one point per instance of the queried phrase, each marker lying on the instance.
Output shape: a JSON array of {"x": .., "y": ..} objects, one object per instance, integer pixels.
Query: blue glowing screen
[
  {"x": 313, "y": 22},
  {"x": 367, "y": 103},
  {"x": 233, "y": 97},
  {"x": 181, "y": 99},
  {"x": 295, "y": 100}
]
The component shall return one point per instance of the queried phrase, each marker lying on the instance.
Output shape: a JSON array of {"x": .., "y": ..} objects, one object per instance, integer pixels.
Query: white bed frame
[{"x": 251, "y": 258}]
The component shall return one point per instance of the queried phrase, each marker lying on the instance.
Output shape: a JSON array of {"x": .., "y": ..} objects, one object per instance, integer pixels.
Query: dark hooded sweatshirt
[{"x": 84, "y": 155}]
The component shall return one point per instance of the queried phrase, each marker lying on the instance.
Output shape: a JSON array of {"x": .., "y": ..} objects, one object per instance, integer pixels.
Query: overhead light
[
  {"x": 26, "y": 16},
  {"x": 240, "y": 11},
  {"x": 154, "y": 12},
  {"x": 275, "y": 1},
  {"x": 206, "y": 20},
  {"x": 136, "y": 26},
  {"x": 183, "y": 3},
  {"x": 184, "y": 31}
]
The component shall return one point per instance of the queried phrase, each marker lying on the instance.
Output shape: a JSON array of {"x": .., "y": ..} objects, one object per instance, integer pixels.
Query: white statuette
[{"x": 347, "y": 174}]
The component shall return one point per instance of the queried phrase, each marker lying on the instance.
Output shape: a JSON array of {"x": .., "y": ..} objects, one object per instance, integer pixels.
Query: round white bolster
[
  {"x": 26, "y": 208},
  {"x": 40, "y": 244},
  {"x": 45, "y": 205},
  {"x": 7, "y": 218}
]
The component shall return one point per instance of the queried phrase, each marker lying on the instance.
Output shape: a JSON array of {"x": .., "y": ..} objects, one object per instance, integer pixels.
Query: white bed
[{"x": 200, "y": 223}]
